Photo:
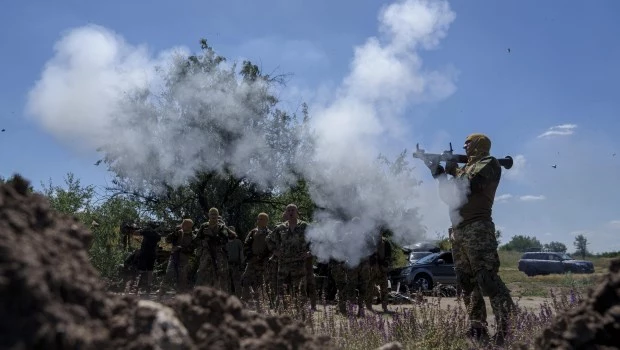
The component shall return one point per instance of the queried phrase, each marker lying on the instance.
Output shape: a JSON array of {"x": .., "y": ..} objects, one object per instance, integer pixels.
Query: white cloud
[
  {"x": 615, "y": 224},
  {"x": 82, "y": 94},
  {"x": 518, "y": 168},
  {"x": 530, "y": 198},
  {"x": 503, "y": 198},
  {"x": 559, "y": 130},
  {"x": 547, "y": 234}
]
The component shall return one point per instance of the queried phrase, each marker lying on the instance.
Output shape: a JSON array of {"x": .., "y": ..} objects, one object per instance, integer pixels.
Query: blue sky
[{"x": 561, "y": 71}]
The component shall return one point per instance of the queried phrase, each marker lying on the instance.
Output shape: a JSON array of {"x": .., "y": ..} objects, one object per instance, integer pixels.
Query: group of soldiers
[
  {"x": 279, "y": 260},
  {"x": 270, "y": 264}
]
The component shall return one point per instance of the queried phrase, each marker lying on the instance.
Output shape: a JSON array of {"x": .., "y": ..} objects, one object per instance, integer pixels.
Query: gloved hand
[
  {"x": 451, "y": 168},
  {"x": 436, "y": 168}
]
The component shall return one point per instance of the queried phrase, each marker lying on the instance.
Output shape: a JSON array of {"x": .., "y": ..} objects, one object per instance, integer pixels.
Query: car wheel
[{"x": 423, "y": 283}]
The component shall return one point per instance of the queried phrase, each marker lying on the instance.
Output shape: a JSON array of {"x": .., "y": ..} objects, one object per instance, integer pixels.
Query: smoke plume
[{"x": 92, "y": 93}]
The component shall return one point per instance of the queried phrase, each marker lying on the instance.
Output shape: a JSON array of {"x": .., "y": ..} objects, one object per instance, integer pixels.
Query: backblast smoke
[{"x": 159, "y": 121}]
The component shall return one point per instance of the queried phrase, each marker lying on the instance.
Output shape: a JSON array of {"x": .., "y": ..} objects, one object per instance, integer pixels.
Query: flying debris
[
  {"x": 3, "y": 130},
  {"x": 508, "y": 50},
  {"x": 613, "y": 155},
  {"x": 98, "y": 162},
  {"x": 554, "y": 166}
]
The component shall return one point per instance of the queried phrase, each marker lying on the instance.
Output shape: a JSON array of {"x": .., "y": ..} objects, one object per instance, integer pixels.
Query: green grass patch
[{"x": 540, "y": 286}]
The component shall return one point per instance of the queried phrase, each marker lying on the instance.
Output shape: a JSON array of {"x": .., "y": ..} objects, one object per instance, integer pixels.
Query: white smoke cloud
[
  {"x": 82, "y": 98},
  {"x": 385, "y": 77},
  {"x": 503, "y": 198},
  {"x": 531, "y": 198}
]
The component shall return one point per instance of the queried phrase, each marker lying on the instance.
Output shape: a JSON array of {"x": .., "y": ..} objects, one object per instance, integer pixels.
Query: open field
[{"x": 540, "y": 286}]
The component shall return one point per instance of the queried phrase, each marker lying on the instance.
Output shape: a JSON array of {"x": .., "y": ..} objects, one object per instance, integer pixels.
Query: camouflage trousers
[
  {"x": 176, "y": 273},
  {"x": 311, "y": 283},
  {"x": 350, "y": 284},
  {"x": 292, "y": 278},
  {"x": 271, "y": 280},
  {"x": 378, "y": 276},
  {"x": 234, "y": 278},
  {"x": 213, "y": 272},
  {"x": 254, "y": 278},
  {"x": 339, "y": 273},
  {"x": 477, "y": 265}
]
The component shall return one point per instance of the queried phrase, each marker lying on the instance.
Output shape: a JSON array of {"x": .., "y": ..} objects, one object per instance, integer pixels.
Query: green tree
[
  {"x": 498, "y": 235},
  {"x": 234, "y": 192},
  {"x": 107, "y": 250},
  {"x": 73, "y": 199},
  {"x": 581, "y": 246},
  {"x": 521, "y": 243},
  {"x": 556, "y": 247}
]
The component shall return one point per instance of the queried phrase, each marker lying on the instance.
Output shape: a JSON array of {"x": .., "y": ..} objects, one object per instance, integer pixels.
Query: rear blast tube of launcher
[{"x": 449, "y": 156}]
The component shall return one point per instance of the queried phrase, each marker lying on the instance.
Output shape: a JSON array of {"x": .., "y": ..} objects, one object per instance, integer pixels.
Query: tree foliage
[
  {"x": 581, "y": 246},
  {"x": 229, "y": 185},
  {"x": 522, "y": 243},
  {"x": 556, "y": 247},
  {"x": 74, "y": 199}
]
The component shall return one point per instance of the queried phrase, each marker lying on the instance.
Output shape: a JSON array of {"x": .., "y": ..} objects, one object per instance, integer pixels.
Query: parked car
[
  {"x": 426, "y": 273},
  {"x": 422, "y": 247},
  {"x": 544, "y": 263},
  {"x": 415, "y": 256}
]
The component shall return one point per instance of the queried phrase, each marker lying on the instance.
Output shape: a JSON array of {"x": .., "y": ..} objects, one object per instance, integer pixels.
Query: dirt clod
[
  {"x": 51, "y": 297},
  {"x": 593, "y": 324}
]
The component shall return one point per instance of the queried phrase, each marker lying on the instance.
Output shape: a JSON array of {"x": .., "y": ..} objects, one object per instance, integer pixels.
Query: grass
[
  {"x": 431, "y": 323},
  {"x": 540, "y": 286},
  {"x": 425, "y": 324}
]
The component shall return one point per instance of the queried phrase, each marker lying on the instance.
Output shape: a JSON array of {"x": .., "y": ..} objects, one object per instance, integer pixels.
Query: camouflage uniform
[
  {"x": 291, "y": 248},
  {"x": 311, "y": 282},
  {"x": 358, "y": 278},
  {"x": 213, "y": 264},
  {"x": 178, "y": 263},
  {"x": 271, "y": 279},
  {"x": 475, "y": 244},
  {"x": 257, "y": 254},
  {"x": 378, "y": 266},
  {"x": 339, "y": 273},
  {"x": 234, "y": 252}
]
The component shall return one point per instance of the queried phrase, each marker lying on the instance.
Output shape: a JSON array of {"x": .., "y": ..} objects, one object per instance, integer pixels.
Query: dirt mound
[
  {"x": 51, "y": 297},
  {"x": 216, "y": 320},
  {"x": 593, "y": 324}
]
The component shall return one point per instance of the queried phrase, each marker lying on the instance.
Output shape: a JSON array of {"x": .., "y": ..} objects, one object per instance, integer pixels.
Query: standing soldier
[
  {"x": 257, "y": 254},
  {"x": 379, "y": 264},
  {"x": 211, "y": 238},
  {"x": 474, "y": 241},
  {"x": 339, "y": 273},
  {"x": 178, "y": 263},
  {"x": 358, "y": 277},
  {"x": 234, "y": 251},
  {"x": 288, "y": 243},
  {"x": 146, "y": 255}
]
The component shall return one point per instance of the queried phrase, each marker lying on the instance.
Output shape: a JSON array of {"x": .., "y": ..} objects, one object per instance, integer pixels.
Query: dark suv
[
  {"x": 426, "y": 273},
  {"x": 544, "y": 263}
]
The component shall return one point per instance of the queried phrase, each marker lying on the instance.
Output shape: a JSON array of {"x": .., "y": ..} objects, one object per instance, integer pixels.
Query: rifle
[{"x": 449, "y": 156}]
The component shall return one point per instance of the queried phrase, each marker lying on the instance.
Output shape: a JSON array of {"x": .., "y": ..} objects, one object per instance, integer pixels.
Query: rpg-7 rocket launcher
[{"x": 449, "y": 156}]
